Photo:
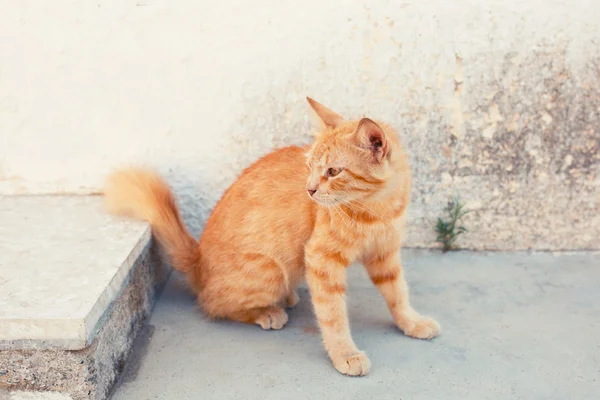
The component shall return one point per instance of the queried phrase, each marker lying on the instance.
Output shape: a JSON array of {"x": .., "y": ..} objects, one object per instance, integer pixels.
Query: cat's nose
[{"x": 311, "y": 192}]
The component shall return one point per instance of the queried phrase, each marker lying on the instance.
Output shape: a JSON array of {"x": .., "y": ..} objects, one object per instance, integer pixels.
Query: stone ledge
[
  {"x": 77, "y": 285},
  {"x": 63, "y": 261}
]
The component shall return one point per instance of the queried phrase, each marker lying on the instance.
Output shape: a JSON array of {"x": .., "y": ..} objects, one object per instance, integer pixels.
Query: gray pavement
[{"x": 514, "y": 326}]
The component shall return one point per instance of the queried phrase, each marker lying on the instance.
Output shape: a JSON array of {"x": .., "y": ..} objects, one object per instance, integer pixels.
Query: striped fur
[{"x": 267, "y": 233}]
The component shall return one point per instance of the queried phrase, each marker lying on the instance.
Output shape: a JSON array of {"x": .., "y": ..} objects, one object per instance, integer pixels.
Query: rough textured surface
[
  {"x": 90, "y": 373},
  {"x": 63, "y": 261},
  {"x": 35, "y": 396},
  {"x": 518, "y": 326},
  {"x": 496, "y": 100}
]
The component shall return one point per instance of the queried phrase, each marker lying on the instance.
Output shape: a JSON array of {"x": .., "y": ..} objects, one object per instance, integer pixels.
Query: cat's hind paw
[
  {"x": 272, "y": 318},
  {"x": 292, "y": 299}
]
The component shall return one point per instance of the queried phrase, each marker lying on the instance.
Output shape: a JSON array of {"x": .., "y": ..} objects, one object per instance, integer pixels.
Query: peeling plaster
[{"x": 498, "y": 101}]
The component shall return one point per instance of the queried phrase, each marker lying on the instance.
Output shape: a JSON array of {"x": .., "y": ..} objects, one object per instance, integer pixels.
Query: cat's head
[{"x": 351, "y": 160}]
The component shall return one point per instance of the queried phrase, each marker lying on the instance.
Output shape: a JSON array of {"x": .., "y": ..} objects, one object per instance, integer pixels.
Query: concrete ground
[{"x": 514, "y": 326}]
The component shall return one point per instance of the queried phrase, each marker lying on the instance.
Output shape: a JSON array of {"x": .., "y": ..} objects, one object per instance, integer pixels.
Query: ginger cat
[{"x": 295, "y": 213}]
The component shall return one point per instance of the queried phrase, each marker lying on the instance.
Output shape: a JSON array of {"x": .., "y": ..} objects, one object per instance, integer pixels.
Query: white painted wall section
[{"x": 497, "y": 100}]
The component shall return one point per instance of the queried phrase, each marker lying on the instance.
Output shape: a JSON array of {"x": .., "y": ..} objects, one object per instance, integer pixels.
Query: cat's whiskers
[
  {"x": 352, "y": 221},
  {"x": 360, "y": 203},
  {"x": 337, "y": 210},
  {"x": 385, "y": 221},
  {"x": 363, "y": 206}
]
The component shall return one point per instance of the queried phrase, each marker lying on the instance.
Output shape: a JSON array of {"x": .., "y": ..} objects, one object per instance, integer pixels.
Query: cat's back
[
  {"x": 280, "y": 176},
  {"x": 288, "y": 162},
  {"x": 267, "y": 201}
]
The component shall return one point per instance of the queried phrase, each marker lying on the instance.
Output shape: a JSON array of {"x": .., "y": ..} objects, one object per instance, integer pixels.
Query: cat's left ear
[
  {"x": 326, "y": 116},
  {"x": 370, "y": 136}
]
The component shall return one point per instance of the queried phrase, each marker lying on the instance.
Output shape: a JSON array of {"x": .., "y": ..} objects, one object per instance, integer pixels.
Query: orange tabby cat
[{"x": 267, "y": 233}]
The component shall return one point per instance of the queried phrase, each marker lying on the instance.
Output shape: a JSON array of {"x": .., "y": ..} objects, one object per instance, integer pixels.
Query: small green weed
[{"x": 450, "y": 229}]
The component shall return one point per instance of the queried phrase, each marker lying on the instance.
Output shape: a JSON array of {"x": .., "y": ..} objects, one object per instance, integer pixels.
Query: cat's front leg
[
  {"x": 326, "y": 277},
  {"x": 386, "y": 273}
]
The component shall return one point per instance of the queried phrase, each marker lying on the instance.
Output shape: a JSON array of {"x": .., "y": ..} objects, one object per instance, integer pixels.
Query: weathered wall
[{"x": 496, "y": 100}]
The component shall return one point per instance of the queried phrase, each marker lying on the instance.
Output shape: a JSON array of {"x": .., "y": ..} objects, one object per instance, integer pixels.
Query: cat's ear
[
  {"x": 327, "y": 117},
  {"x": 370, "y": 136}
]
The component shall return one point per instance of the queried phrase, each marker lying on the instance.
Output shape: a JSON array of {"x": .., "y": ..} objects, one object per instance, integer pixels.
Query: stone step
[{"x": 75, "y": 287}]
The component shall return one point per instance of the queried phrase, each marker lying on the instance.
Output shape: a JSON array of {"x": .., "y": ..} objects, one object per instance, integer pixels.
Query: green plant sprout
[{"x": 449, "y": 230}]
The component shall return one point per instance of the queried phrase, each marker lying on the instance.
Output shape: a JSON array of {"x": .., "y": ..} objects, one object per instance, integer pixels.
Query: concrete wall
[{"x": 498, "y": 101}]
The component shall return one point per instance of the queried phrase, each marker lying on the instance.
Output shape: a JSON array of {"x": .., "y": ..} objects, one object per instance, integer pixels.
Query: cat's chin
[
  {"x": 325, "y": 203},
  {"x": 328, "y": 203}
]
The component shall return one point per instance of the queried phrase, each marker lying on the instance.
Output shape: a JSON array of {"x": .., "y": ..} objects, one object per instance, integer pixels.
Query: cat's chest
[{"x": 381, "y": 239}]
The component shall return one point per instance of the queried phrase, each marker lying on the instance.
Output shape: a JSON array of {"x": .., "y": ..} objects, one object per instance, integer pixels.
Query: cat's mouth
[{"x": 327, "y": 201}]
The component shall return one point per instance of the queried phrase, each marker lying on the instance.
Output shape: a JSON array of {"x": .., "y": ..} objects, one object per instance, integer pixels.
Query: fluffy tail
[{"x": 144, "y": 195}]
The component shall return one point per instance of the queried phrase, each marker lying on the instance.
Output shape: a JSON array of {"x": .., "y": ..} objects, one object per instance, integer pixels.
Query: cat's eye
[{"x": 331, "y": 172}]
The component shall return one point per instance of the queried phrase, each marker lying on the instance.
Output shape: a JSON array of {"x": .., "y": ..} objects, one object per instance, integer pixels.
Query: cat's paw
[
  {"x": 292, "y": 299},
  {"x": 421, "y": 327},
  {"x": 272, "y": 318},
  {"x": 353, "y": 364}
]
